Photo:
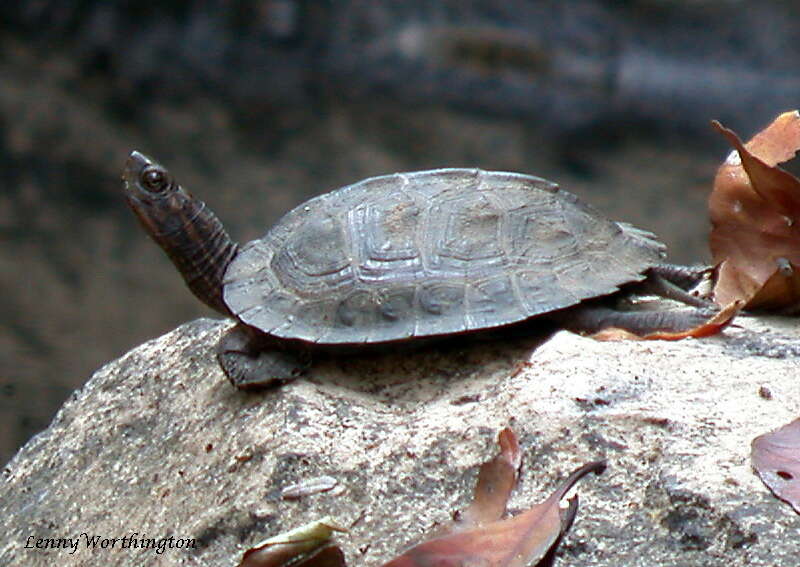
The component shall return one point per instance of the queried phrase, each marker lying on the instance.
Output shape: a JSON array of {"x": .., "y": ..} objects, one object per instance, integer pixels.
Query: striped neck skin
[{"x": 201, "y": 250}]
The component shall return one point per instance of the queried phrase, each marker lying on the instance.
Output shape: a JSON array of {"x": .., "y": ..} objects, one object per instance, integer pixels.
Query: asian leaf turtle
[{"x": 402, "y": 257}]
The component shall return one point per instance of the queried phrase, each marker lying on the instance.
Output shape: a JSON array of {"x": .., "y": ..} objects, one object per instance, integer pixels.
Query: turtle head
[
  {"x": 190, "y": 234},
  {"x": 160, "y": 203}
]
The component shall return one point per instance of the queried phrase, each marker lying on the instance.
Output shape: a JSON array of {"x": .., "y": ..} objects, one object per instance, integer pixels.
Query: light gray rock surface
[{"x": 159, "y": 444}]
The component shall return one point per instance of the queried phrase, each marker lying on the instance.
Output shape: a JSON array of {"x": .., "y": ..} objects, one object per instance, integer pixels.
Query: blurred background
[{"x": 258, "y": 107}]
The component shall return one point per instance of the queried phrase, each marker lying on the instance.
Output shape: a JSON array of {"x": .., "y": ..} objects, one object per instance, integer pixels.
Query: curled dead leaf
[
  {"x": 776, "y": 458},
  {"x": 755, "y": 217},
  {"x": 522, "y": 540}
]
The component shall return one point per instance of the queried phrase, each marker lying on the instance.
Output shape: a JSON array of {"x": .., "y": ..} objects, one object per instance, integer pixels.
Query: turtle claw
[{"x": 253, "y": 363}]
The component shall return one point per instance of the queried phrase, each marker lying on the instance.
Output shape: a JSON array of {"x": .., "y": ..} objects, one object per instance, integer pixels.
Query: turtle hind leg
[
  {"x": 590, "y": 318},
  {"x": 253, "y": 361}
]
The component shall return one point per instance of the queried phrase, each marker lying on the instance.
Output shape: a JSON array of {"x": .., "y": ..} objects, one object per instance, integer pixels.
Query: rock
[{"x": 158, "y": 445}]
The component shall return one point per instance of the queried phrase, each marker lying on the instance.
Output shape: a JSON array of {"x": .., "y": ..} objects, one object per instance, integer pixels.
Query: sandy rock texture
[{"x": 158, "y": 445}]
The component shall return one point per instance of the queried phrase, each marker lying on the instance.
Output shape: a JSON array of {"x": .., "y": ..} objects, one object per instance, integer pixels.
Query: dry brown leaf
[
  {"x": 496, "y": 479},
  {"x": 755, "y": 216},
  {"x": 776, "y": 458},
  {"x": 522, "y": 540},
  {"x": 306, "y": 545},
  {"x": 329, "y": 556}
]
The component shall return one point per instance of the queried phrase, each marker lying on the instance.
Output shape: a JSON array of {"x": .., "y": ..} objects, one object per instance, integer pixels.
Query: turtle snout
[
  {"x": 139, "y": 158},
  {"x": 133, "y": 167}
]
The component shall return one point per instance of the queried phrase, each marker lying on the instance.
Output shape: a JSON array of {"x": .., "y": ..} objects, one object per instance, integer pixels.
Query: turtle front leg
[{"x": 253, "y": 361}]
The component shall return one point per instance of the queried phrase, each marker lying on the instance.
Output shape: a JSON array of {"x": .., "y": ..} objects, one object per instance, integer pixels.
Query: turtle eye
[{"x": 155, "y": 180}]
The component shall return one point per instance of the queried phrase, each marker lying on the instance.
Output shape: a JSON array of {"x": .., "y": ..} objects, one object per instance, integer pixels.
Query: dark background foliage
[{"x": 262, "y": 106}]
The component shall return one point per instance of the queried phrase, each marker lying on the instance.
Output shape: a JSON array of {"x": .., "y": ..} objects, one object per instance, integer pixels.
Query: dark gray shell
[{"x": 430, "y": 253}]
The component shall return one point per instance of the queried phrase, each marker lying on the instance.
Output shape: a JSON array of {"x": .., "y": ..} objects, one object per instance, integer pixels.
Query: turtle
[{"x": 414, "y": 256}]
